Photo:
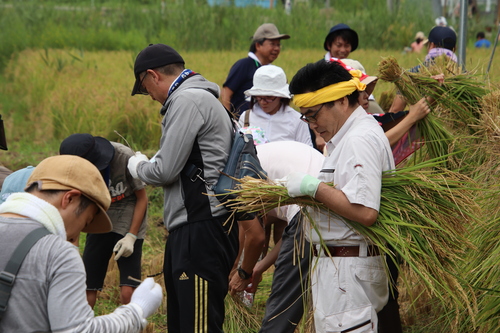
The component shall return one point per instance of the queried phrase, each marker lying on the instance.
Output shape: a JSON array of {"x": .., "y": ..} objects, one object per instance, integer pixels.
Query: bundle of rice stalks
[
  {"x": 240, "y": 318},
  {"x": 425, "y": 213},
  {"x": 489, "y": 125},
  {"x": 423, "y": 216},
  {"x": 457, "y": 100},
  {"x": 386, "y": 98},
  {"x": 482, "y": 265},
  {"x": 459, "y": 95},
  {"x": 484, "y": 275},
  {"x": 481, "y": 161}
]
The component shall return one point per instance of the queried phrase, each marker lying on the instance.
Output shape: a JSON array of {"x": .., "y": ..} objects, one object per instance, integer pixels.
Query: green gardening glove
[{"x": 300, "y": 184}]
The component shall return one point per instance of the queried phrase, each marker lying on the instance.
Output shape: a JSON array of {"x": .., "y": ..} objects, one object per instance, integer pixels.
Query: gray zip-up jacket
[
  {"x": 49, "y": 291},
  {"x": 196, "y": 130}
]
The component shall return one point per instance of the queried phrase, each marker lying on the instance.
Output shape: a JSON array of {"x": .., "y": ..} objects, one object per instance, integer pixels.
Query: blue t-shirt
[
  {"x": 239, "y": 79},
  {"x": 483, "y": 43}
]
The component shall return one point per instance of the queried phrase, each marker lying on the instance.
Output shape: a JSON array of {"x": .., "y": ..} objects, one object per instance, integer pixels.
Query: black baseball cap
[
  {"x": 154, "y": 56},
  {"x": 443, "y": 37},
  {"x": 97, "y": 150},
  {"x": 339, "y": 27}
]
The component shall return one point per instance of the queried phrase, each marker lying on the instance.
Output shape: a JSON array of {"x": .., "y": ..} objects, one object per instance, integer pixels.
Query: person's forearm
[
  {"x": 253, "y": 244},
  {"x": 241, "y": 242},
  {"x": 252, "y": 248},
  {"x": 336, "y": 201},
  {"x": 269, "y": 259},
  {"x": 141, "y": 205},
  {"x": 417, "y": 112},
  {"x": 397, "y": 132},
  {"x": 262, "y": 266}
]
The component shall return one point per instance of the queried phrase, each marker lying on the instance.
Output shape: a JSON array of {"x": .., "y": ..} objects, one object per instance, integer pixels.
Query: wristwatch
[{"x": 244, "y": 275}]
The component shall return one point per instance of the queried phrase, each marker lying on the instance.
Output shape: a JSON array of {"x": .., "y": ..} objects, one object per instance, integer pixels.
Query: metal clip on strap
[
  {"x": 6, "y": 278},
  {"x": 194, "y": 173}
]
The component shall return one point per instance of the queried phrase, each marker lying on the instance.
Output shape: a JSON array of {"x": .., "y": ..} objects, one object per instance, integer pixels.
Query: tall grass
[
  {"x": 194, "y": 25},
  {"x": 48, "y": 94}
]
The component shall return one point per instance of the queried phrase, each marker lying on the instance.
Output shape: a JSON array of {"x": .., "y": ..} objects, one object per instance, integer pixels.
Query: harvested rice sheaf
[
  {"x": 459, "y": 96},
  {"x": 456, "y": 106},
  {"x": 424, "y": 213},
  {"x": 489, "y": 125}
]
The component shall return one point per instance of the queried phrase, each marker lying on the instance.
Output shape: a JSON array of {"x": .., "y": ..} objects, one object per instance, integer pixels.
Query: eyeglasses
[
  {"x": 142, "y": 90},
  {"x": 312, "y": 118},
  {"x": 267, "y": 99}
]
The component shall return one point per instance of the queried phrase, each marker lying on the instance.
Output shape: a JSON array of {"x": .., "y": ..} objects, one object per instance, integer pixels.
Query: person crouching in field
[
  {"x": 127, "y": 212},
  {"x": 64, "y": 195}
]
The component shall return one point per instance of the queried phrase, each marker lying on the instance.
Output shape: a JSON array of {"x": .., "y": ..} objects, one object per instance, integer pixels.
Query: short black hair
[
  {"x": 480, "y": 34},
  {"x": 82, "y": 206},
  {"x": 321, "y": 74},
  {"x": 346, "y": 35},
  {"x": 171, "y": 69}
]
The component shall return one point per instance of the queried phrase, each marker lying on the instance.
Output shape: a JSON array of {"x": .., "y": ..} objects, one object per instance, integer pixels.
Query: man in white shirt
[{"x": 349, "y": 283}]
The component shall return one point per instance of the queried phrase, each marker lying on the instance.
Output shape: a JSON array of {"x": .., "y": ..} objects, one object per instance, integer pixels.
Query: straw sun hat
[{"x": 269, "y": 80}]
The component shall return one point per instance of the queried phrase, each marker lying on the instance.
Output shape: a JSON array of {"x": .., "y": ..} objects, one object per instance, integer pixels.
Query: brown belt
[{"x": 348, "y": 251}]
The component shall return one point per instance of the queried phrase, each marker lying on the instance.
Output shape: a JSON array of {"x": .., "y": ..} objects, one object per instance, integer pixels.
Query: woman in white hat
[
  {"x": 270, "y": 111},
  {"x": 270, "y": 119}
]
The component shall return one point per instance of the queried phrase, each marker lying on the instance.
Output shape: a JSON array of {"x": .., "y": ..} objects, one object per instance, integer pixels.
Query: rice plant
[{"x": 425, "y": 212}]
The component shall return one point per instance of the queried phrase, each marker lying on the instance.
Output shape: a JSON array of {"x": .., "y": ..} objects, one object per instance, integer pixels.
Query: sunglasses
[
  {"x": 142, "y": 90},
  {"x": 267, "y": 99},
  {"x": 311, "y": 118}
]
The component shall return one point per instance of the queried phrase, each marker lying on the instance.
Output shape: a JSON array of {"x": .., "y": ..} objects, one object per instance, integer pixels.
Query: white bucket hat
[{"x": 269, "y": 80}]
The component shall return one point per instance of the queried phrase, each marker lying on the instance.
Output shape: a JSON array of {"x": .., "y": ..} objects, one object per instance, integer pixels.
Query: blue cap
[
  {"x": 15, "y": 182},
  {"x": 339, "y": 27}
]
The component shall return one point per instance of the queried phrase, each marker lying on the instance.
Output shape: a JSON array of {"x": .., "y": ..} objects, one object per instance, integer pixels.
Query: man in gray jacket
[
  {"x": 66, "y": 195},
  {"x": 196, "y": 140}
]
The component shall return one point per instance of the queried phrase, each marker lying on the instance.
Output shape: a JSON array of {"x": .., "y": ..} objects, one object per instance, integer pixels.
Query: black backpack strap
[{"x": 8, "y": 275}]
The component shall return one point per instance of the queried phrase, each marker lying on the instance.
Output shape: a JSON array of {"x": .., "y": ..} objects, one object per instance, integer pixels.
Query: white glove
[
  {"x": 134, "y": 161},
  {"x": 300, "y": 184},
  {"x": 125, "y": 246},
  {"x": 148, "y": 296}
]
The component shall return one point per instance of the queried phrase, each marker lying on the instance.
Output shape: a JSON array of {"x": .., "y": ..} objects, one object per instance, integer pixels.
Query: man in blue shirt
[
  {"x": 482, "y": 41},
  {"x": 265, "y": 48}
]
